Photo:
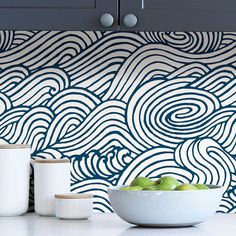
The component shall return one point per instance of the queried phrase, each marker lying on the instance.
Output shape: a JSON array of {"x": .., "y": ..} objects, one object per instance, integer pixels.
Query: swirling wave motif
[
  {"x": 106, "y": 165},
  {"x": 193, "y": 42},
  {"x": 104, "y": 126},
  {"x": 21, "y": 36},
  {"x": 211, "y": 163},
  {"x": 160, "y": 61},
  {"x": 6, "y": 40},
  {"x": 122, "y": 104},
  {"x": 45, "y": 49},
  {"x": 168, "y": 112}
]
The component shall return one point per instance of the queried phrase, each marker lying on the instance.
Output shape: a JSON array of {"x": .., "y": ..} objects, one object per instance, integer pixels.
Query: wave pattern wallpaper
[{"x": 123, "y": 104}]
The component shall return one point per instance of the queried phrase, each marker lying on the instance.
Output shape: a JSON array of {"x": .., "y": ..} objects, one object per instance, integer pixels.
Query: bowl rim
[{"x": 212, "y": 187}]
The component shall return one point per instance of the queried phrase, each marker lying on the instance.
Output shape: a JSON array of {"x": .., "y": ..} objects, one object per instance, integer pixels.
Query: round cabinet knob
[
  {"x": 106, "y": 20},
  {"x": 130, "y": 20}
]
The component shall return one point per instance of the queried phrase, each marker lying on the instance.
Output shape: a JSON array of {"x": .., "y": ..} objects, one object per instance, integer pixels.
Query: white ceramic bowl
[
  {"x": 74, "y": 206},
  {"x": 165, "y": 208}
]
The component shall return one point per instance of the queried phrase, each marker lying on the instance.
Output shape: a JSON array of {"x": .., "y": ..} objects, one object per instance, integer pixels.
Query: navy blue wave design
[{"x": 120, "y": 104}]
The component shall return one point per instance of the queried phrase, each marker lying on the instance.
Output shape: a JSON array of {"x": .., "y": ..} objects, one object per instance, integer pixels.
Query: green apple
[
  {"x": 151, "y": 188},
  {"x": 201, "y": 186},
  {"x": 142, "y": 182},
  {"x": 185, "y": 187},
  {"x": 167, "y": 183},
  {"x": 133, "y": 188}
]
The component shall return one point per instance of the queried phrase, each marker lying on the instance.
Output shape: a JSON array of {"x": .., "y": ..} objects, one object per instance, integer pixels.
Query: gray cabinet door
[
  {"x": 56, "y": 14},
  {"x": 180, "y": 15}
]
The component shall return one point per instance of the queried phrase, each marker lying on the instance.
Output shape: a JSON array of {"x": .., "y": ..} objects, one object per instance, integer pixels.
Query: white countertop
[{"x": 108, "y": 225}]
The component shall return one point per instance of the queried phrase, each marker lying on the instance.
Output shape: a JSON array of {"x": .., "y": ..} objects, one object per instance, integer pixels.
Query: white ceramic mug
[
  {"x": 50, "y": 177},
  {"x": 14, "y": 179}
]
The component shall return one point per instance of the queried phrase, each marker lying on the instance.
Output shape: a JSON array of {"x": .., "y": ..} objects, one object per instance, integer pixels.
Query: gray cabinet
[
  {"x": 179, "y": 15},
  {"x": 131, "y": 15},
  {"x": 57, "y": 14}
]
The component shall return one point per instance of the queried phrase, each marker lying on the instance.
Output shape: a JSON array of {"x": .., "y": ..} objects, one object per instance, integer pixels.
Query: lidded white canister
[
  {"x": 73, "y": 206},
  {"x": 51, "y": 177},
  {"x": 14, "y": 179}
]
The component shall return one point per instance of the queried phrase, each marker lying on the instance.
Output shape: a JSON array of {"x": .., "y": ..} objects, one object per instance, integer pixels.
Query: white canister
[
  {"x": 50, "y": 177},
  {"x": 14, "y": 179},
  {"x": 74, "y": 206}
]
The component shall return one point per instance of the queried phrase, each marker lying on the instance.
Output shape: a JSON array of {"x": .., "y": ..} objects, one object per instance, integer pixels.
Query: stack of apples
[{"x": 166, "y": 183}]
